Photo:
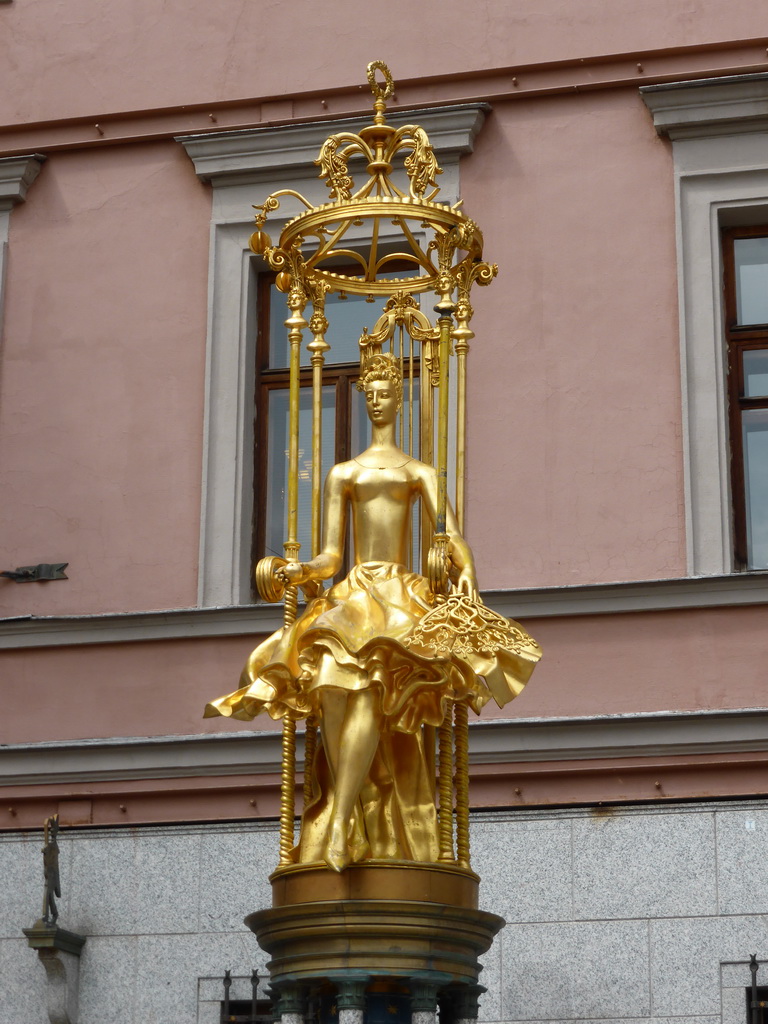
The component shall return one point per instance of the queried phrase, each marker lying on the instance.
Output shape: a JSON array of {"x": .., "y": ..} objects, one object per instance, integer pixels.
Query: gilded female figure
[{"x": 353, "y": 658}]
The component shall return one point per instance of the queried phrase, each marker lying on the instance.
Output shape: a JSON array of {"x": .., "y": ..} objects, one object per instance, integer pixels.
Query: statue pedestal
[
  {"x": 406, "y": 931},
  {"x": 59, "y": 953}
]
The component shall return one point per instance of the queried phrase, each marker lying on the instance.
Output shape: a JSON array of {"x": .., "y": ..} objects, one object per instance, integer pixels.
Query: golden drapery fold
[{"x": 383, "y": 630}]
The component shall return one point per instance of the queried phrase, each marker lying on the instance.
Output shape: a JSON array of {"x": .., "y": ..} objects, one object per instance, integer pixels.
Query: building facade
[{"x": 617, "y": 479}]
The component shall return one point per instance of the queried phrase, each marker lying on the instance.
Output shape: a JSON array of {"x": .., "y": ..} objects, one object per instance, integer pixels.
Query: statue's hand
[
  {"x": 467, "y": 583},
  {"x": 293, "y": 573}
]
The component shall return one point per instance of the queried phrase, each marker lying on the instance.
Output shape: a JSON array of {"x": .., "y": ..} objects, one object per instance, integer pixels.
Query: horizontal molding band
[
  {"x": 652, "y": 735},
  {"x": 570, "y": 77},
  {"x": 543, "y": 602}
]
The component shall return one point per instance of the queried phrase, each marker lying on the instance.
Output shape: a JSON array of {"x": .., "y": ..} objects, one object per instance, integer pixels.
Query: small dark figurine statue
[{"x": 51, "y": 870}]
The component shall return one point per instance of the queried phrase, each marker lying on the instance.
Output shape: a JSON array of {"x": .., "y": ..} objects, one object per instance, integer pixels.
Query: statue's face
[{"x": 381, "y": 402}]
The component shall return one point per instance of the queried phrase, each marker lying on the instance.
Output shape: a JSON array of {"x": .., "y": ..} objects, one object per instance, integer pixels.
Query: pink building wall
[
  {"x": 575, "y": 452},
  {"x": 593, "y": 665},
  {"x": 101, "y": 395},
  {"x": 575, "y": 458},
  {"x": 111, "y": 56},
  {"x": 565, "y": 436}
]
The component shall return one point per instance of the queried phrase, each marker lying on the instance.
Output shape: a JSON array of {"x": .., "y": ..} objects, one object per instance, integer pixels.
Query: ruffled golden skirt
[{"x": 375, "y": 626}]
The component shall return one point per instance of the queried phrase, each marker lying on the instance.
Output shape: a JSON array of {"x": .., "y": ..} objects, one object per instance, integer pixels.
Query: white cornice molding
[
  {"x": 17, "y": 173},
  {"x": 710, "y": 106},
  {"x": 253, "y": 620},
  {"x": 495, "y": 742},
  {"x": 253, "y": 154}
]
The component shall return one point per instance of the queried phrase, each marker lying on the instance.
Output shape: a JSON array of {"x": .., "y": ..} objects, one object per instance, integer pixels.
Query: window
[
  {"x": 757, "y": 1014},
  {"x": 745, "y": 261},
  {"x": 17, "y": 173},
  {"x": 720, "y": 180},
  {"x": 346, "y": 430},
  {"x": 242, "y": 1011}
]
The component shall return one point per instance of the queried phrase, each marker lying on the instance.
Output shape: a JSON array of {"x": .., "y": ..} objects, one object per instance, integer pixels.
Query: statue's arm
[
  {"x": 458, "y": 549},
  {"x": 328, "y": 562}
]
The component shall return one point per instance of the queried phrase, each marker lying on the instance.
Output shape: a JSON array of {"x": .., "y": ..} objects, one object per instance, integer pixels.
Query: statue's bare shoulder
[
  {"x": 426, "y": 474},
  {"x": 342, "y": 474}
]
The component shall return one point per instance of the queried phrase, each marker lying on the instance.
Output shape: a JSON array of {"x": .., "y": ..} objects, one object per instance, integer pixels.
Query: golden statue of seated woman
[{"x": 377, "y": 658}]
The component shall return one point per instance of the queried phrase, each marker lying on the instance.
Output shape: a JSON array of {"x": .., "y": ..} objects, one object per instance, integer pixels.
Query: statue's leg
[{"x": 351, "y": 727}]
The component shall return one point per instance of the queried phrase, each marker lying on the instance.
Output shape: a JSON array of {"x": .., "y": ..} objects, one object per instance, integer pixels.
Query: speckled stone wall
[{"x": 631, "y": 914}]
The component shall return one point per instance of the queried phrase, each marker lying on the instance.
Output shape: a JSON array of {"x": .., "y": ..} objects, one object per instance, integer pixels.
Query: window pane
[
  {"x": 346, "y": 320},
  {"x": 751, "y": 256},
  {"x": 756, "y": 373},
  {"x": 755, "y": 435},
  {"x": 277, "y": 466},
  {"x": 278, "y": 332},
  {"x": 360, "y": 425}
]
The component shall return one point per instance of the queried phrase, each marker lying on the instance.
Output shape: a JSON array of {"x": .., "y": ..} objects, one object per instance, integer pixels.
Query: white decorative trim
[
  {"x": 244, "y": 167},
  {"x": 16, "y": 175},
  {"x": 259, "y": 155},
  {"x": 254, "y": 620},
  {"x": 709, "y": 106},
  {"x": 721, "y": 178},
  {"x": 5, "y": 217},
  {"x": 140, "y": 757},
  {"x": 522, "y": 740},
  {"x": 652, "y": 734},
  {"x": 138, "y": 627}
]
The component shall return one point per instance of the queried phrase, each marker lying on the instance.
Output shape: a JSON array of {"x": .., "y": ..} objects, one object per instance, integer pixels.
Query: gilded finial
[{"x": 380, "y": 92}]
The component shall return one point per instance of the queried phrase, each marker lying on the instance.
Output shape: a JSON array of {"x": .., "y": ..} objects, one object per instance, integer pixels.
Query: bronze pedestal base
[{"x": 410, "y": 926}]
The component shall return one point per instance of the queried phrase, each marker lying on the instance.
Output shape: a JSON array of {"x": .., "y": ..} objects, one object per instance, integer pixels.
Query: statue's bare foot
[
  {"x": 360, "y": 849},
  {"x": 337, "y": 852}
]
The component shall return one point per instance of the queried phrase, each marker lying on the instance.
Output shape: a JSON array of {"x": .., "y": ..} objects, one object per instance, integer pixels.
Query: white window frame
[
  {"x": 17, "y": 173},
  {"x": 719, "y": 133},
  {"x": 244, "y": 167}
]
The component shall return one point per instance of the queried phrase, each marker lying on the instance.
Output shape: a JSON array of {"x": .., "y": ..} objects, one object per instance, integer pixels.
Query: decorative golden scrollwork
[
  {"x": 464, "y": 626},
  {"x": 320, "y": 239},
  {"x": 401, "y": 310},
  {"x": 421, "y": 164},
  {"x": 333, "y": 169}
]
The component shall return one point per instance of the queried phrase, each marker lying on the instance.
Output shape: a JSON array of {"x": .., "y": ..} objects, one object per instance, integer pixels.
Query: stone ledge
[
  {"x": 227, "y": 158},
  {"x": 252, "y": 620},
  {"x": 709, "y": 106},
  {"x": 50, "y": 936},
  {"x": 518, "y": 741}
]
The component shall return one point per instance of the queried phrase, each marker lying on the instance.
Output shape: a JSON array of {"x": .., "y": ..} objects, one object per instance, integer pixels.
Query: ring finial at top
[{"x": 381, "y": 91}]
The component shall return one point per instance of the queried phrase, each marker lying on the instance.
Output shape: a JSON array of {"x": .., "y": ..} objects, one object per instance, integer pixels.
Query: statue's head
[{"x": 384, "y": 367}]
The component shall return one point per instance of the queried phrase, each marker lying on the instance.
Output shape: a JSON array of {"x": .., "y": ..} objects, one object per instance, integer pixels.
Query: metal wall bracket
[{"x": 37, "y": 573}]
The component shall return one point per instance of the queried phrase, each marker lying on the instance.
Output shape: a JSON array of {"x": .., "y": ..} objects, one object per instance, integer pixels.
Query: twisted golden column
[
  {"x": 318, "y": 324},
  {"x": 461, "y": 739},
  {"x": 445, "y": 782},
  {"x": 287, "y": 789},
  {"x": 295, "y": 323},
  {"x": 461, "y": 348},
  {"x": 310, "y": 746}
]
